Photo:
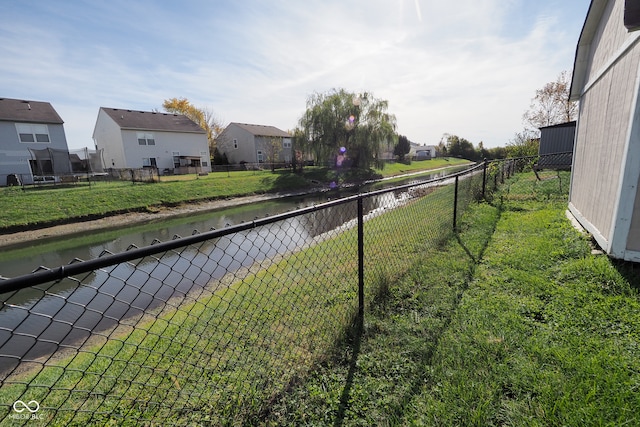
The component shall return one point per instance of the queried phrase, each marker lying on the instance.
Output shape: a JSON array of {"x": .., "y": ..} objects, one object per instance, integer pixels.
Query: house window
[
  {"x": 235, "y": 144},
  {"x": 286, "y": 143},
  {"x": 260, "y": 157},
  {"x": 146, "y": 139},
  {"x": 33, "y": 133},
  {"x": 149, "y": 162}
]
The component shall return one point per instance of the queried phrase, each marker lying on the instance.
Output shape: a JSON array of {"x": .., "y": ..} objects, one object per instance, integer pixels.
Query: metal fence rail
[{"x": 209, "y": 328}]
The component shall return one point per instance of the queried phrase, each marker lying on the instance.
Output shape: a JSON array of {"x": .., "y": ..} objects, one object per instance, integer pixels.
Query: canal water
[{"x": 68, "y": 313}]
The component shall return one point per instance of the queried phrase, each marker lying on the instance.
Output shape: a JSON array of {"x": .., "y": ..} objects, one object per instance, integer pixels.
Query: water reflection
[{"x": 42, "y": 319}]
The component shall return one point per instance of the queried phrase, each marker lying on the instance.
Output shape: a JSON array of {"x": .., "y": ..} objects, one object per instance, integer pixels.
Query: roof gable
[
  {"x": 595, "y": 15},
  {"x": 262, "y": 130},
  {"x": 18, "y": 110},
  {"x": 151, "y": 120}
]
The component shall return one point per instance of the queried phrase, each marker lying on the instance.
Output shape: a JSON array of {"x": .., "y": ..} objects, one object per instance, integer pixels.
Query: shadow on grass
[
  {"x": 426, "y": 358},
  {"x": 380, "y": 306},
  {"x": 355, "y": 338},
  {"x": 630, "y": 271}
]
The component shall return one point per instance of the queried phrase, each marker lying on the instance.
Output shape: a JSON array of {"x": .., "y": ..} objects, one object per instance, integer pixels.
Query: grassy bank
[
  {"x": 522, "y": 326},
  {"x": 47, "y": 205},
  {"x": 219, "y": 357}
]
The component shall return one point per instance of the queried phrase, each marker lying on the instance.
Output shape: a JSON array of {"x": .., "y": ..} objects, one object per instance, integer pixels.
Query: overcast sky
[{"x": 465, "y": 67}]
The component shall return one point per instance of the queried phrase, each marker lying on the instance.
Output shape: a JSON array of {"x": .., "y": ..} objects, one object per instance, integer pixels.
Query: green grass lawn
[
  {"x": 219, "y": 356},
  {"x": 512, "y": 322},
  {"x": 46, "y": 205}
]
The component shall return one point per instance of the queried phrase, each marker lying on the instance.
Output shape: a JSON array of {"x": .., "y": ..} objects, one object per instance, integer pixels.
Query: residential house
[
  {"x": 171, "y": 143},
  {"x": 423, "y": 152},
  {"x": 246, "y": 143},
  {"x": 32, "y": 142},
  {"x": 604, "y": 195}
]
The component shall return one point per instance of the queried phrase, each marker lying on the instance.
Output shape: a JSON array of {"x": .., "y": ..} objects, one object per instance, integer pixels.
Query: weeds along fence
[{"x": 212, "y": 327}]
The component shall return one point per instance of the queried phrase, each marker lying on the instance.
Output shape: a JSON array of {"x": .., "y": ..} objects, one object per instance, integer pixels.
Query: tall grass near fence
[{"x": 222, "y": 352}]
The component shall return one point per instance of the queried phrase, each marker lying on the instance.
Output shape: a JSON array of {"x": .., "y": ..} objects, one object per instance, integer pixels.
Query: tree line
[{"x": 356, "y": 128}]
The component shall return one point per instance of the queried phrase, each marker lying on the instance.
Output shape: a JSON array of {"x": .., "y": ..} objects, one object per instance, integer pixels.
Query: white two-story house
[{"x": 171, "y": 143}]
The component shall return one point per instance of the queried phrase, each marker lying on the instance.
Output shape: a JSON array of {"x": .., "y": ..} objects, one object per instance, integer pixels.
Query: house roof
[
  {"x": 560, "y": 125},
  {"x": 20, "y": 110},
  {"x": 261, "y": 130},
  {"x": 151, "y": 120}
]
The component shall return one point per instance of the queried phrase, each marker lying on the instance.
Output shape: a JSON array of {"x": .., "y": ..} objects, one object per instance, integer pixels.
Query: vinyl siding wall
[
  {"x": 603, "y": 126},
  {"x": 108, "y": 137}
]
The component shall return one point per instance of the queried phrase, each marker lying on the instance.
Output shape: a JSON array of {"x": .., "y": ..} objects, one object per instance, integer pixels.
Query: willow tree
[{"x": 358, "y": 122}]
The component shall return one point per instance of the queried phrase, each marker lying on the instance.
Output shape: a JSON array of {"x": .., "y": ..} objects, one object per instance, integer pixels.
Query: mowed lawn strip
[
  {"x": 533, "y": 330},
  {"x": 51, "y": 204},
  {"x": 547, "y": 333}
]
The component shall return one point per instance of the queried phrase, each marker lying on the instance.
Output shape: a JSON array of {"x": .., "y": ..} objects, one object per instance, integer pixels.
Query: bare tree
[
  {"x": 273, "y": 147},
  {"x": 551, "y": 105}
]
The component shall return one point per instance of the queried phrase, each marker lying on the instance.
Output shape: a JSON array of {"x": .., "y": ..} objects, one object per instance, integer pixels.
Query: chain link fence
[{"x": 209, "y": 328}]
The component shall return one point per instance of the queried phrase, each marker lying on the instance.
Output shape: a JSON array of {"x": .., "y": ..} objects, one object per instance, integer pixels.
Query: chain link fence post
[
  {"x": 360, "y": 258},
  {"x": 484, "y": 178},
  {"x": 455, "y": 206}
]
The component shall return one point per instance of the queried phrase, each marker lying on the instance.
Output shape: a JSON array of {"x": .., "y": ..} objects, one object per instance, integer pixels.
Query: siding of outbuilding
[
  {"x": 605, "y": 112},
  {"x": 633, "y": 239},
  {"x": 609, "y": 36},
  {"x": 557, "y": 139},
  {"x": 603, "y": 186}
]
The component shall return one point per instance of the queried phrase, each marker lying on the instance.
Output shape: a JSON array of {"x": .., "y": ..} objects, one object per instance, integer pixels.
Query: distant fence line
[{"x": 212, "y": 326}]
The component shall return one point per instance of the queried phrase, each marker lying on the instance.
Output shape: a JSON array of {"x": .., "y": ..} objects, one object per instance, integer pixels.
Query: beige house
[
  {"x": 247, "y": 143},
  {"x": 604, "y": 194}
]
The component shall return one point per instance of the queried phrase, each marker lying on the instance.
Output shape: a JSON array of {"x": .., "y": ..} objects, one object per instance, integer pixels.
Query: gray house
[
  {"x": 248, "y": 143},
  {"x": 32, "y": 141},
  {"x": 604, "y": 194},
  {"x": 171, "y": 143}
]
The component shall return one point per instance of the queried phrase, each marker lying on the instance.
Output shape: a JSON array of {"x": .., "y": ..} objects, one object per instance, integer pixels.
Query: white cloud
[{"x": 456, "y": 67}]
